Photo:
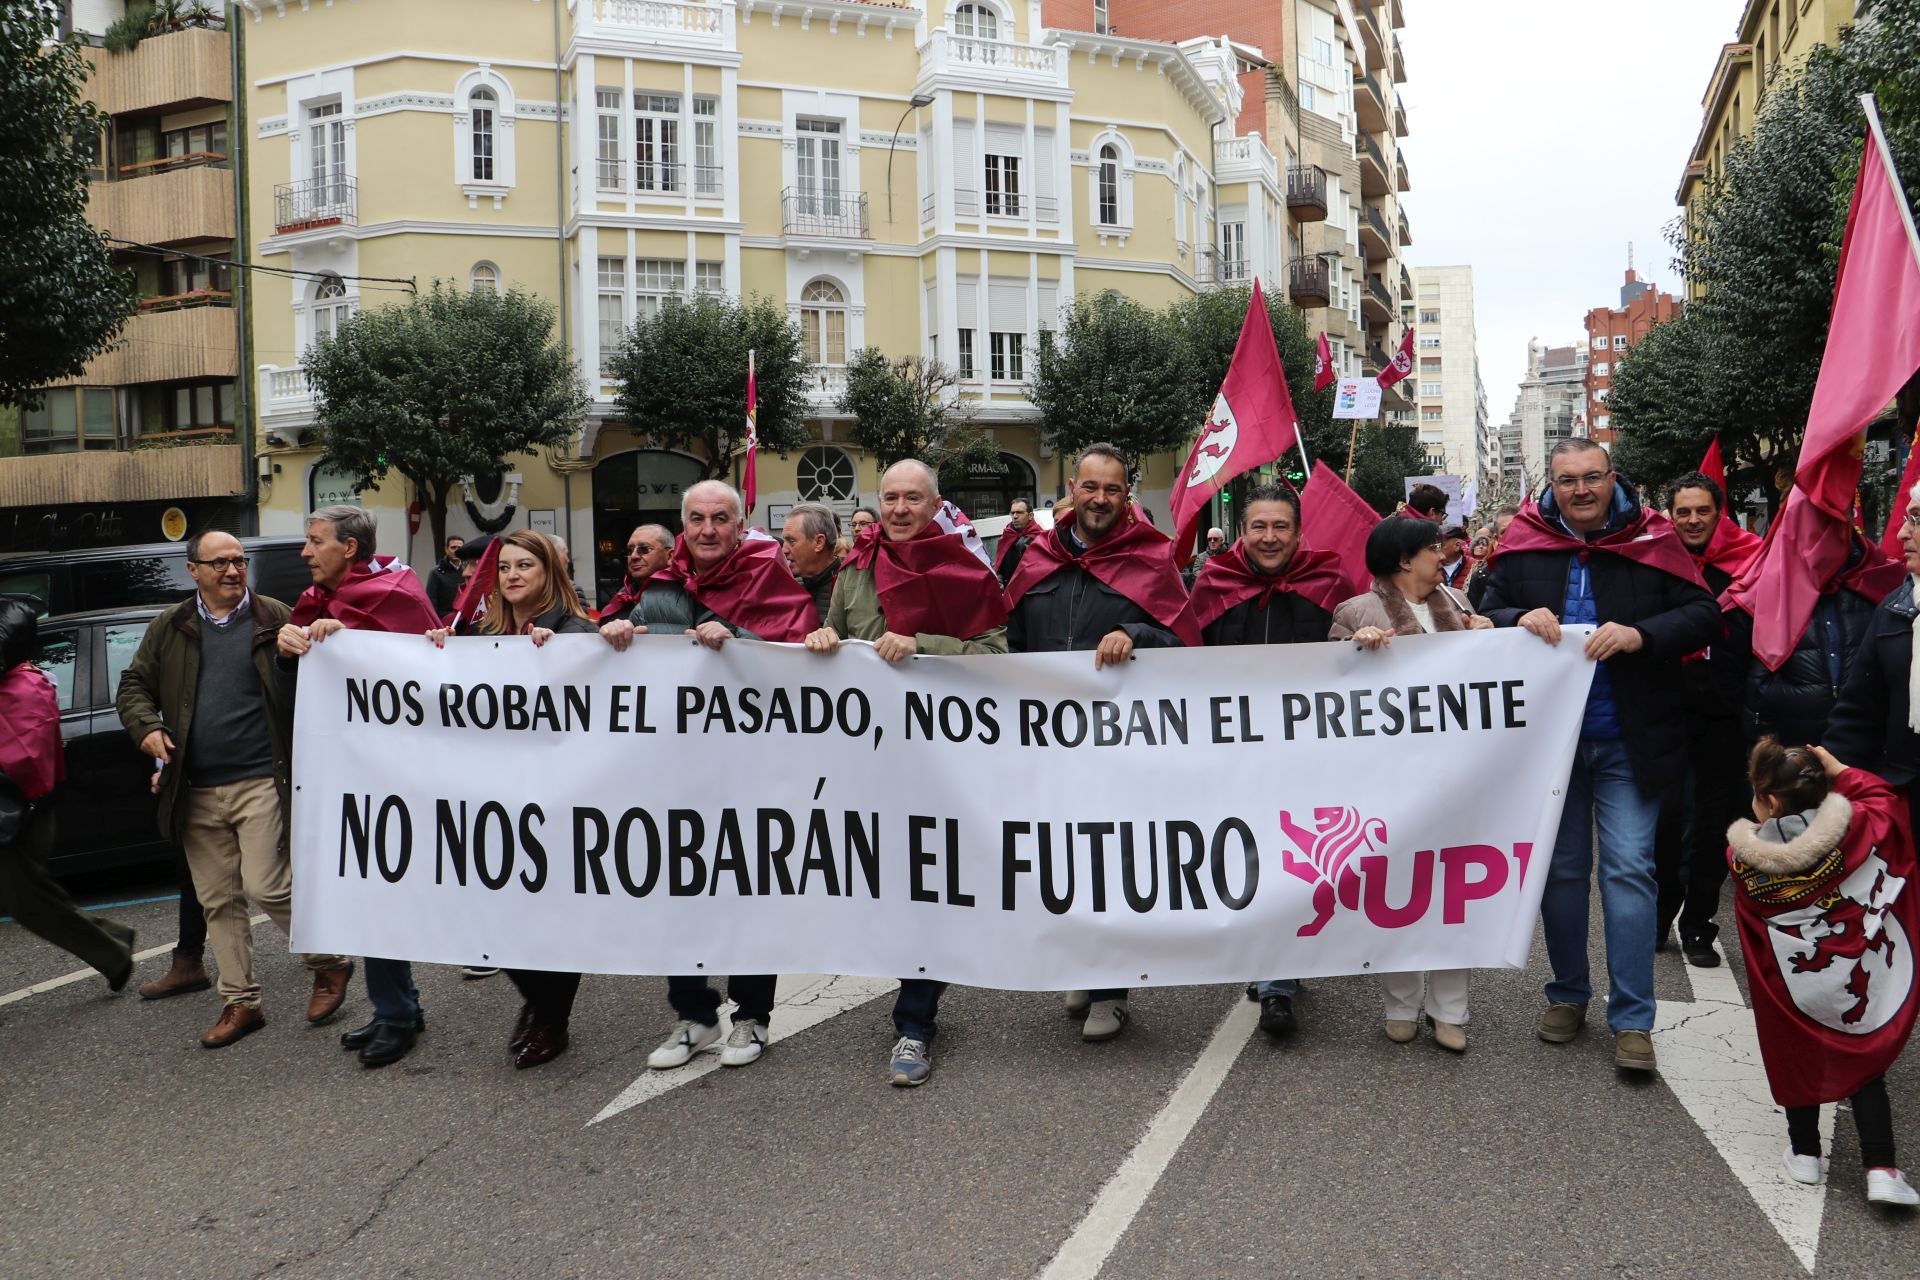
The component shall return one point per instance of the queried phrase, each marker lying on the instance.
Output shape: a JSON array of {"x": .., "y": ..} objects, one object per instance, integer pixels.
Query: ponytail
[{"x": 1792, "y": 775}]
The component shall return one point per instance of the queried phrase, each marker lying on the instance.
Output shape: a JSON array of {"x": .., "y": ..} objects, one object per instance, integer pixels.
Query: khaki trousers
[{"x": 236, "y": 849}]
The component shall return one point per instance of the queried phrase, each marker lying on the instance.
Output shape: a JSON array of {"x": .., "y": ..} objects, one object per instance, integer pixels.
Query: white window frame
[
  {"x": 1122, "y": 223},
  {"x": 610, "y": 153},
  {"x": 1601, "y": 368},
  {"x": 1000, "y": 185},
  {"x": 819, "y": 165},
  {"x": 1619, "y": 342},
  {"x": 825, "y": 323},
  {"x": 1600, "y": 343},
  {"x": 330, "y": 299},
  {"x": 470, "y": 101},
  {"x": 485, "y": 275},
  {"x": 657, "y": 127},
  {"x": 708, "y": 175},
  {"x": 655, "y": 280},
  {"x": 974, "y": 20},
  {"x": 613, "y": 314},
  {"x": 1007, "y": 356}
]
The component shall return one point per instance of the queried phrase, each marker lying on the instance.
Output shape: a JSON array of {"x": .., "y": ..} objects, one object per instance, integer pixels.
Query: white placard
[
  {"x": 1193, "y": 816},
  {"x": 1357, "y": 398}
]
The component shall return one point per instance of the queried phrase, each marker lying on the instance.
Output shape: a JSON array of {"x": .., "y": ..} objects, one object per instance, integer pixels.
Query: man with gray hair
[
  {"x": 647, "y": 550},
  {"x": 811, "y": 537},
  {"x": 205, "y": 699},
  {"x": 718, "y": 584},
  {"x": 354, "y": 589}
]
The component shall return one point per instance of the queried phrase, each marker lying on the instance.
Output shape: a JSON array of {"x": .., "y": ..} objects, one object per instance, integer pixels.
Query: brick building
[{"x": 1614, "y": 331}]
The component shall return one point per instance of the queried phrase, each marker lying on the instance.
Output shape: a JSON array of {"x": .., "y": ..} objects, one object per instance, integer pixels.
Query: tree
[
  {"x": 683, "y": 377},
  {"x": 1116, "y": 372},
  {"x": 1662, "y": 407},
  {"x": 446, "y": 386},
  {"x": 63, "y": 300},
  {"x": 907, "y": 408}
]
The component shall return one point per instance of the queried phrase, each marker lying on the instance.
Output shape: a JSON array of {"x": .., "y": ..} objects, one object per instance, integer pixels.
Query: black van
[{"x": 56, "y": 583}]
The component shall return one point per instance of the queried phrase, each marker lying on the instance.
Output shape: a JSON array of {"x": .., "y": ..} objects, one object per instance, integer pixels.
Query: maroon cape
[
  {"x": 1829, "y": 953},
  {"x": 1010, "y": 538},
  {"x": 1228, "y": 580},
  {"x": 378, "y": 594},
  {"x": 1136, "y": 560},
  {"x": 1730, "y": 549},
  {"x": 30, "y": 751},
  {"x": 627, "y": 595},
  {"x": 930, "y": 584},
  {"x": 1647, "y": 539},
  {"x": 1872, "y": 579},
  {"x": 753, "y": 588}
]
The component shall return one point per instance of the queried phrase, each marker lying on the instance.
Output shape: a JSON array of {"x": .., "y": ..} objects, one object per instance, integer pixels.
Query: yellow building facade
[{"x": 938, "y": 180}]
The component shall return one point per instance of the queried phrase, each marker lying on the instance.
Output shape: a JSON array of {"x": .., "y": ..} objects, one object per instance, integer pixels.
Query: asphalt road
[{"x": 130, "y": 1151}]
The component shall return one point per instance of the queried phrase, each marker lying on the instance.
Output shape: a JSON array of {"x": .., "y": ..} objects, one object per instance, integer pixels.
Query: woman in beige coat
[{"x": 1409, "y": 599}]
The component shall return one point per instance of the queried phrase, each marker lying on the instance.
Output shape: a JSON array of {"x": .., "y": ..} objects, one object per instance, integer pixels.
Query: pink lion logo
[{"x": 1325, "y": 853}]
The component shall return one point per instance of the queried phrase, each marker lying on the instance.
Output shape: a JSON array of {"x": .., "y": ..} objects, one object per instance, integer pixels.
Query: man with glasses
[
  {"x": 1102, "y": 579},
  {"x": 1590, "y": 554},
  {"x": 204, "y": 697}
]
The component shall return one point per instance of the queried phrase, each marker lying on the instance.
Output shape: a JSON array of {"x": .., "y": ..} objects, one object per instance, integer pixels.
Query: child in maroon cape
[{"x": 1828, "y": 914}]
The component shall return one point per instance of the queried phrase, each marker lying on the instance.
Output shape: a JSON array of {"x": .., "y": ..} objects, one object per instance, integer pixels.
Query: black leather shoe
[
  {"x": 543, "y": 1045},
  {"x": 390, "y": 1043},
  {"x": 1276, "y": 1016},
  {"x": 1700, "y": 953},
  {"x": 360, "y": 1037},
  {"x": 522, "y": 1029}
]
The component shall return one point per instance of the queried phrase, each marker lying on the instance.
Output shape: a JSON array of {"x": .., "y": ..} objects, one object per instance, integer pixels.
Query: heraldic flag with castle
[{"x": 1252, "y": 423}]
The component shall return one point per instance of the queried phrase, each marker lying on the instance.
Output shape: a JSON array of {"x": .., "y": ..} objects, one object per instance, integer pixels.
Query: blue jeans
[
  {"x": 390, "y": 987},
  {"x": 916, "y": 1007},
  {"x": 1277, "y": 987},
  {"x": 1601, "y": 790}
]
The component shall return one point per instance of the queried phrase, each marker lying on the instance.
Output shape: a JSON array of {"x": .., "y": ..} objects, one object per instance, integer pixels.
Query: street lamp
[{"x": 914, "y": 103}]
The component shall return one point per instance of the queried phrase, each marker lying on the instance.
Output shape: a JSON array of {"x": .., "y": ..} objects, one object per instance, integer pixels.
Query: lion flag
[{"x": 1251, "y": 424}]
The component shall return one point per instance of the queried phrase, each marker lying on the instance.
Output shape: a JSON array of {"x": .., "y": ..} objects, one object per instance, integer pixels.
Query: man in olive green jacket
[
  {"x": 933, "y": 585},
  {"x": 204, "y": 697}
]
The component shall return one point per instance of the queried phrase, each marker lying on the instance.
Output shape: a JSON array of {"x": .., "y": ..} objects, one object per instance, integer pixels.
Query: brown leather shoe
[
  {"x": 236, "y": 1021},
  {"x": 188, "y": 972},
  {"x": 329, "y": 992},
  {"x": 544, "y": 1044}
]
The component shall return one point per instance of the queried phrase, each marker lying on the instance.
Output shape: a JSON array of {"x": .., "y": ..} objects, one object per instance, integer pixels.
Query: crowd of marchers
[{"x": 1692, "y": 756}]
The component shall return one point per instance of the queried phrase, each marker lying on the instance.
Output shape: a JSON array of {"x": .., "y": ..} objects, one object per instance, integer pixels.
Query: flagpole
[{"x": 1879, "y": 138}]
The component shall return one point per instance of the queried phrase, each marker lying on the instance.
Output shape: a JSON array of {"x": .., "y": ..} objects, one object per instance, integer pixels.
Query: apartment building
[
  {"x": 1453, "y": 401},
  {"x": 143, "y": 442},
  {"x": 1552, "y": 406},
  {"x": 1614, "y": 331},
  {"x": 1769, "y": 34},
  {"x": 938, "y": 179}
]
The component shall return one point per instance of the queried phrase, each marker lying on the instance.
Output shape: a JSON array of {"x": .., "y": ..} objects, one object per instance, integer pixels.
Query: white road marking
[
  {"x": 803, "y": 1000},
  {"x": 1087, "y": 1249},
  {"x": 53, "y": 983},
  {"x": 1710, "y": 1058}
]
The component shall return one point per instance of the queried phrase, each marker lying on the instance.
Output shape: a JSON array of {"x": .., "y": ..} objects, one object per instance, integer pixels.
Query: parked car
[{"x": 95, "y": 607}]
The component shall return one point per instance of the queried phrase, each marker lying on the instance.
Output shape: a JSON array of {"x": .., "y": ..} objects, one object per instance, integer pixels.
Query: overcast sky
[{"x": 1543, "y": 137}]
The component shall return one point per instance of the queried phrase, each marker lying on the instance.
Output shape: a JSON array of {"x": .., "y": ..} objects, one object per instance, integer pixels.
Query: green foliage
[
  {"x": 1116, "y": 372},
  {"x": 1661, "y": 400},
  {"x": 446, "y": 386},
  {"x": 63, "y": 300},
  {"x": 906, "y": 408},
  {"x": 157, "y": 17},
  {"x": 683, "y": 375}
]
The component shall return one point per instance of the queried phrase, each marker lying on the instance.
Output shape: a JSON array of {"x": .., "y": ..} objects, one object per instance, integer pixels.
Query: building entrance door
[{"x": 641, "y": 486}]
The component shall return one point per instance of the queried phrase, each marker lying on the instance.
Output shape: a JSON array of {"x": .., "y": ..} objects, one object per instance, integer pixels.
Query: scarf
[
  {"x": 378, "y": 594},
  {"x": 1136, "y": 560},
  {"x": 1228, "y": 580},
  {"x": 752, "y": 589},
  {"x": 625, "y": 598},
  {"x": 930, "y": 584},
  {"x": 1644, "y": 537}
]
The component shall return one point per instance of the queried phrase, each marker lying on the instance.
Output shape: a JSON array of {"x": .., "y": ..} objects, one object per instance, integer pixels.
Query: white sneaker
[
  {"x": 748, "y": 1041},
  {"x": 1807, "y": 1169},
  {"x": 1078, "y": 1003},
  {"x": 685, "y": 1040},
  {"x": 471, "y": 972},
  {"x": 1890, "y": 1186},
  {"x": 1105, "y": 1018}
]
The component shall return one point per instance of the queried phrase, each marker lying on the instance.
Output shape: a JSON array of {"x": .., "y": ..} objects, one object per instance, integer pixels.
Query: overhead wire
[{"x": 408, "y": 284}]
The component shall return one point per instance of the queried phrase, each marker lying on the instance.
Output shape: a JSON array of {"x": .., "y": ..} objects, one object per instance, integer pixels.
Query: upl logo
[{"x": 1344, "y": 857}]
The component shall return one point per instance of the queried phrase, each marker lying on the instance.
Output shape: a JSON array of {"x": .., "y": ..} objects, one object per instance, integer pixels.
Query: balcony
[
  {"x": 173, "y": 72},
  {"x": 285, "y": 401},
  {"x": 825, "y": 384},
  {"x": 966, "y": 204},
  {"x": 1245, "y": 160},
  {"x": 171, "y": 206},
  {"x": 1376, "y": 238},
  {"x": 1406, "y": 285},
  {"x": 1371, "y": 37},
  {"x": 1376, "y": 304},
  {"x": 1003, "y": 62},
  {"x": 1309, "y": 282},
  {"x": 671, "y": 24},
  {"x": 1401, "y": 181},
  {"x": 177, "y": 345},
  {"x": 1370, "y": 103},
  {"x": 1399, "y": 117},
  {"x": 1307, "y": 193},
  {"x": 1406, "y": 231},
  {"x": 659, "y": 181},
  {"x": 314, "y": 204},
  {"x": 1374, "y": 173},
  {"x": 114, "y": 475},
  {"x": 1214, "y": 268},
  {"x": 836, "y": 215},
  {"x": 1399, "y": 59}
]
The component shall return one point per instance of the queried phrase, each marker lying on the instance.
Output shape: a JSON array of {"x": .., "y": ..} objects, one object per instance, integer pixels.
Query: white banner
[{"x": 1019, "y": 822}]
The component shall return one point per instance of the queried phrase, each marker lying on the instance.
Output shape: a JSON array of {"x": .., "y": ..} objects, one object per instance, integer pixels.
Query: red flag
[
  {"x": 749, "y": 484},
  {"x": 1898, "y": 516},
  {"x": 1336, "y": 519},
  {"x": 1873, "y": 340},
  {"x": 1252, "y": 423},
  {"x": 471, "y": 604},
  {"x": 1323, "y": 365},
  {"x": 1804, "y": 558},
  {"x": 1402, "y": 363},
  {"x": 1713, "y": 467}
]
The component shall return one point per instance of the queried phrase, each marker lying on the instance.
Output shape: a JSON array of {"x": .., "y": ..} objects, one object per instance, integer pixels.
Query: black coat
[
  {"x": 1675, "y": 617},
  {"x": 1071, "y": 609},
  {"x": 1286, "y": 618},
  {"x": 443, "y": 585},
  {"x": 1794, "y": 702},
  {"x": 1868, "y": 727},
  {"x": 1717, "y": 685}
]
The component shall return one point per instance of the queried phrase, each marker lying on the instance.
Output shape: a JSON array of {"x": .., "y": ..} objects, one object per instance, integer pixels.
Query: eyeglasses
[
  {"x": 1913, "y": 520},
  {"x": 222, "y": 565},
  {"x": 1591, "y": 480}
]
